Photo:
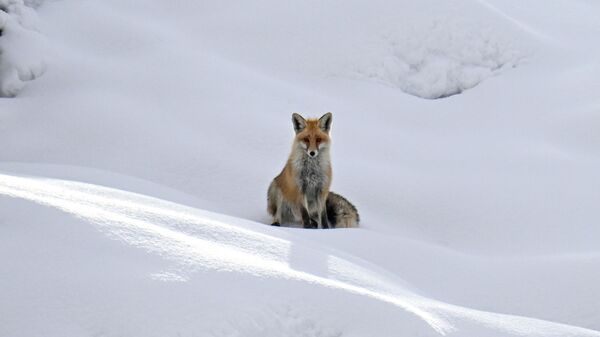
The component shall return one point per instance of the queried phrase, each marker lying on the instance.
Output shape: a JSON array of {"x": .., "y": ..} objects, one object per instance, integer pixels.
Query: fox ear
[
  {"x": 299, "y": 122},
  {"x": 325, "y": 122}
]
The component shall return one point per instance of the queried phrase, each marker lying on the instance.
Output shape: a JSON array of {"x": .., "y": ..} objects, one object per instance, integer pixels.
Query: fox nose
[{"x": 312, "y": 153}]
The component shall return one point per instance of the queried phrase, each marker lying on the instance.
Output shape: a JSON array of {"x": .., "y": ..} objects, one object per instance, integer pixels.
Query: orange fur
[{"x": 312, "y": 135}]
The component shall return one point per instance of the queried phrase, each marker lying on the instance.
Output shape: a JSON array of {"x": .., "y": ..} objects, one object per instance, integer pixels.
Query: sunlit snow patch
[{"x": 197, "y": 242}]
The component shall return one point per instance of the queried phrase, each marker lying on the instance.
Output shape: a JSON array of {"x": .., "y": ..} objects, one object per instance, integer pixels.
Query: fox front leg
[
  {"x": 322, "y": 215},
  {"x": 318, "y": 220},
  {"x": 316, "y": 214},
  {"x": 324, "y": 223},
  {"x": 277, "y": 217},
  {"x": 307, "y": 221},
  {"x": 277, "y": 213}
]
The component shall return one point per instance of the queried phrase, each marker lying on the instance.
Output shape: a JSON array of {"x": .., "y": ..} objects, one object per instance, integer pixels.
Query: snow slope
[
  {"x": 176, "y": 269},
  {"x": 479, "y": 210}
]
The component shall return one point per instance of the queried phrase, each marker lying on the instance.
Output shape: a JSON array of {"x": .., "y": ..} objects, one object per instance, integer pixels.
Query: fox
[{"x": 301, "y": 192}]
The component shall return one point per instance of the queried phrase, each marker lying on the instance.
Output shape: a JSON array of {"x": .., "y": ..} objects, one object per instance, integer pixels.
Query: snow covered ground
[{"x": 133, "y": 173}]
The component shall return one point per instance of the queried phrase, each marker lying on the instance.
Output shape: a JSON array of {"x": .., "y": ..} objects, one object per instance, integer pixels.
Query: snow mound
[
  {"x": 92, "y": 254},
  {"x": 20, "y": 46},
  {"x": 442, "y": 58}
]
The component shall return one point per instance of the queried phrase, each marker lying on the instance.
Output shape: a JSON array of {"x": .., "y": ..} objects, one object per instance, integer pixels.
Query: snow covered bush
[{"x": 20, "y": 44}]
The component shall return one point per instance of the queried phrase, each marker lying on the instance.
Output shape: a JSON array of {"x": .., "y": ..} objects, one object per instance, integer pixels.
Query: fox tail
[{"x": 340, "y": 212}]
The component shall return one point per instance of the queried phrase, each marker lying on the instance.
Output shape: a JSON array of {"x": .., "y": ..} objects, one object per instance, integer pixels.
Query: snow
[
  {"x": 133, "y": 173},
  {"x": 21, "y": 47}
]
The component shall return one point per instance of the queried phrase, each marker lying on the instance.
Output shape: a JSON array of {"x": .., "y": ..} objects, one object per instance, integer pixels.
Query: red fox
[{"x": 301, "y": 191}]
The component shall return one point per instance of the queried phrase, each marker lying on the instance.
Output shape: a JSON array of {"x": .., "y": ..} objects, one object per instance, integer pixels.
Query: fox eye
[
  {"x": 306, "y": 140},
  {"x": 318, "y": 140}
]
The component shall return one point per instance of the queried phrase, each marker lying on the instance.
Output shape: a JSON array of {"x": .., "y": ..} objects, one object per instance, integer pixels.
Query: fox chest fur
[
  {"x": 313, "y": 176},
  {"x": 305, "y": 180}
]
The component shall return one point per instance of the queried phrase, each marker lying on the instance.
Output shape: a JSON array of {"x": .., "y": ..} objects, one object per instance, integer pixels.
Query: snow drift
[{"x": 200, "y": 273}]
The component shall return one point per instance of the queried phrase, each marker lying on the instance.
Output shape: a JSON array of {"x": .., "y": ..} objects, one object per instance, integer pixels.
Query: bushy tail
[{"x": 340, "y": 212}]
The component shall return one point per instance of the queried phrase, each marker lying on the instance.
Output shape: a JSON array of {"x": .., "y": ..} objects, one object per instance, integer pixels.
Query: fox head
[{"x": 312, "y": 135}]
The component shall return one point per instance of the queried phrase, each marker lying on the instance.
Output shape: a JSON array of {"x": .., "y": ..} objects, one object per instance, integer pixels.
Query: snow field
[{"x": 133, "y": 173}]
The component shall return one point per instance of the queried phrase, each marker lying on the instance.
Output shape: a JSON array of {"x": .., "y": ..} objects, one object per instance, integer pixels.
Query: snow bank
[
  {"x": 21, "y": 46},
  {"x": 84, "y": 259}
]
